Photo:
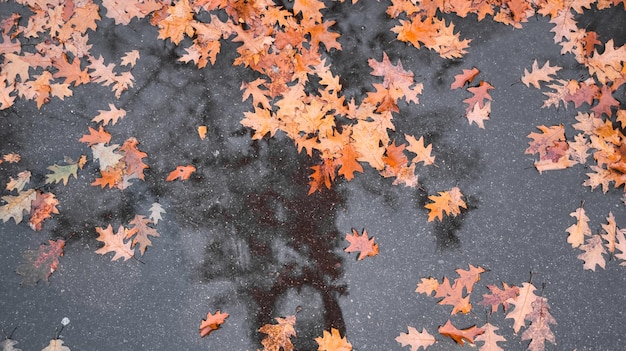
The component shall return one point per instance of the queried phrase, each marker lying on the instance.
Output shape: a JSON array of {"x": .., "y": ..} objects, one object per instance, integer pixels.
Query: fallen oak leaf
[
  {"x": 460, "y": 336},
  {"x": 415, "y": 339},
  {"x": 539, "y": 330},
  {"x": 523, "y": 305},
  {"x": 279, "y": 335},
  {"x": 467, "y": 76},
  {"x": 155, "y": 212},
  {"x": 16, "y": 205},
  {"x": 361, "y": 243},
  {"x": 539, "y": 74},
  {"x": 110, "y": 116},
  {"x": 114, "y": 242},
  {"x": 56, "y": 345},
  {"x": 449, "y": 202},
  {"x": 44, "y": 205},
  {"x": 333, "y": 341},
  {"x": 95, "y": 137},
  {"x": 18, "y": 183},
  {"x": 41, "y": 263},
  {"x": 490, "y": 338},
  {"x": 212, "y": 322},
  {"x": 181, "y": 172}
]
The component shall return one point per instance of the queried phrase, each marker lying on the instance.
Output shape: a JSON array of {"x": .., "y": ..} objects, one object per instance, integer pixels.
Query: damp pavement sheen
[{"x": 242, "y": 235}]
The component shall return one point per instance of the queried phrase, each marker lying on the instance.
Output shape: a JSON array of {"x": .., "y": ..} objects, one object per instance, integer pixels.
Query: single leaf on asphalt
[
  {"x": 56, "y": 345},
  {"x": 279, "y": 335},
  {"x": 361, "y": 243},
  {"x": 155, "y": 212},
  {"x": 110, "y": 116},
  {"x": 490, "y": 339},
  {"x": 41, "y": 263},
  {"x": 181, "y": 172},
  {"x": 212, "y": 322},
  {"x": 578, "y": 231},
  {"x": 114, "y": 242},
  {"x": 61, "y": 173},
  {"x": 333, "y": 341},
  {"x": 416, "y": 339}
]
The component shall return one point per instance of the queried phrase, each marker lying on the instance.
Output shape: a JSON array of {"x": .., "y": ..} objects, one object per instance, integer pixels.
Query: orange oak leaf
[
  {"x": 423, "y": 153},
  {"x": 427, "y": 286},
  {"x": 279, "y": 335},
  {"x": 460, "y": 335},
  {"x": 490, "y": 339},
  {"x": 577, "y": 232},
  {"x": 212, "y": 322},
  {"x": 133, "y": 158},
  {"x": 95, "y": 136},
  {"x": 453, "y": 295},
  {"x": 481, "y": 93},
  {"x": 361, "y": 243},
  {"x": 539, "y": 330},
  {"x": 181, "y": 172},
  {"x": 130, "y": 58},
  {"x": 70, "y": 71},
  {"x": 12, "y": 157},
  {"x": 348, "y": 162},
  {"x": 467, "y": 76},
  {"x": 467, "y": 278},
  {"x": 140, "y": 230},
  {"x": 40, "y": 264},
  {"x": 110, "y": 176},
  {"x": 322, "y": 174},
  {"x": 449, "y": 202},
  {"x": 479, "y": 115},
  {"x": 499, "y": 296},
  {"x": 523, "y": 305},
  {"x": 416, "y": 339},
  {"x": 114, "y": 242},
  {"x": 539, "y": 74},
  {"x": 333, "y": 341},
  {"x": 44, "y": 205},
  {"x": 177, "y": 23},
  {"x": 610, "y": 233},
  {"x": 110, "y": 116}
]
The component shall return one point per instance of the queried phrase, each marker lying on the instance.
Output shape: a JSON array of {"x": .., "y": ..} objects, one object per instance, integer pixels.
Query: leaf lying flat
[{"x": 41, "y": 263}]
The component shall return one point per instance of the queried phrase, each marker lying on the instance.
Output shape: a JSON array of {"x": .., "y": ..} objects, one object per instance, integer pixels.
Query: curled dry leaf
[{"x": 212, "y": 322}]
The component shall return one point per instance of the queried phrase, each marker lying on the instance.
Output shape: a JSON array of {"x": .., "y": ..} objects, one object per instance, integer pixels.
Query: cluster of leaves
[
  {"x": 39, "y": 205},
  {"x": 610, "y": 241},
  {"x": 54, "y": 345},
  {"x": 278, "y": 336},
  {"x": 528, "y": 307},
  {"x": 123, "y": 243}
]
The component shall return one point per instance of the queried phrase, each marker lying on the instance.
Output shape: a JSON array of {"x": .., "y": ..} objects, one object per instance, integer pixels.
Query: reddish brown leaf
[
  {"x": 40, "y": 264},
  {"x": 460, "y": 335},
  {"x": 467, "y": 76},
  {"x": 212, "y": 322}
]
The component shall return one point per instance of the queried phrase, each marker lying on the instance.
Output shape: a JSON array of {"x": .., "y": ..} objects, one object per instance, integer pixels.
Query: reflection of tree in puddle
[{"x": 277, "y": 245}]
